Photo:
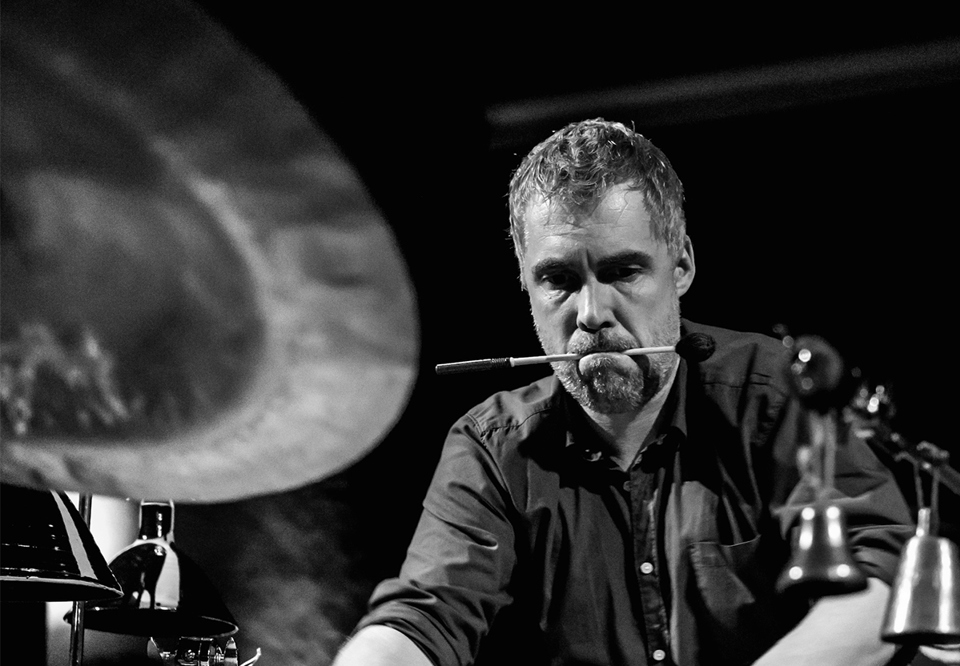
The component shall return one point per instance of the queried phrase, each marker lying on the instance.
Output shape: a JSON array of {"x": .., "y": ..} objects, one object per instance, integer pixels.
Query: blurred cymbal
[{"x": 199, "y": 299}]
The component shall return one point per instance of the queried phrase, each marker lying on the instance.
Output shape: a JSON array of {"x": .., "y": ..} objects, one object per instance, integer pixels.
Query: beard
[{"x": 611, "y": 384}]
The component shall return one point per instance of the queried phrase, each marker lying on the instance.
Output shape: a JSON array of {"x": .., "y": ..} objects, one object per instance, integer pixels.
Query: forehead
[{"x": 619, "y": 220}]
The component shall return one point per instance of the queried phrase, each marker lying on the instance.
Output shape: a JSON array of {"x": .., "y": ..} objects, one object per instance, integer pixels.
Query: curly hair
[{"x": 577, "y": 165}]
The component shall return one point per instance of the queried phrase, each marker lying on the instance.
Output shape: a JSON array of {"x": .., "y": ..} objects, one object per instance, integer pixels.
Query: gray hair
[{"x": 577, "y": 165}]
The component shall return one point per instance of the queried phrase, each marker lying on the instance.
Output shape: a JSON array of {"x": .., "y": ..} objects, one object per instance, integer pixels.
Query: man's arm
[
  {"x": 457, "y": 568},
  {"x": 842, "y": 630},
  {"x": 379, "y": 645}
]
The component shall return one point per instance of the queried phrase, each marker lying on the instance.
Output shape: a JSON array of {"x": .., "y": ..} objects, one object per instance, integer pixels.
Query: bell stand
[
  {"x": 818, "y": 463},
  {"x": 923, "y": 455},
  {"x": 816, "y": 375}
]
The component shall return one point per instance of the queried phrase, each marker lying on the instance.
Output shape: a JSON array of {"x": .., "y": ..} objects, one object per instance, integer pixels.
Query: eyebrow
[
  {"x": 549, "y": 265},
  {"x": 625, "y": 258}
]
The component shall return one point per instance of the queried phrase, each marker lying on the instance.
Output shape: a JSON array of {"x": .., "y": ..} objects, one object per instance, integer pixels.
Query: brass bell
[
  {"x": 822, "y": 564},
  {"x": 924, "y": 607}
]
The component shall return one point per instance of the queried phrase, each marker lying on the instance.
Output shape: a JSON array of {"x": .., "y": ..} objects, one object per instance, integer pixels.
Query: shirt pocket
[{"x": 728, "y": 611}]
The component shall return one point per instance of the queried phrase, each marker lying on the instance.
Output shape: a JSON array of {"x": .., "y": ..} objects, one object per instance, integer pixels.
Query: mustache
[{"x": 603, "y": 341}]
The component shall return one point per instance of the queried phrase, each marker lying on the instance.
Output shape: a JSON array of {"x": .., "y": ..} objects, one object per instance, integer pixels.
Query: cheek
[
  {"x": 550, "y": 319},
  {"x": 540, "y": 317},
  {"x": 660, "y": 298},
  {"x": 540, "y": 306},
  {"x": 552, "y": 310}
]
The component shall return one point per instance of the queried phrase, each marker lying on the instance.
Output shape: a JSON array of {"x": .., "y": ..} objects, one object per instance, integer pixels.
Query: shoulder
[
  {"x": 742, "y": 359},
  {"x": 508, "y": 443},
  {"x": 743, "y": 384},
  {"x": 516, "y": 413}
]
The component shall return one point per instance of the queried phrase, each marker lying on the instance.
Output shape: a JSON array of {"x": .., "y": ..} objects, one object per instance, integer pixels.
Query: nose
[{"x": 594, "y": 307}]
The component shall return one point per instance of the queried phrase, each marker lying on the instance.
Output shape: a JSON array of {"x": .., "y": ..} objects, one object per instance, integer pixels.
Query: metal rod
[
  {"x": 829, "y": 450},
  {"x": 76, "y": 617},
  {"x": 926, "y": 455}
]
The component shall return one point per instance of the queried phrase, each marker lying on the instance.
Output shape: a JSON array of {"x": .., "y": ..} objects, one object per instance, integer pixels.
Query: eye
[
  {"x": 561, "y": 281},
  {"x": 619, "y": 273}
]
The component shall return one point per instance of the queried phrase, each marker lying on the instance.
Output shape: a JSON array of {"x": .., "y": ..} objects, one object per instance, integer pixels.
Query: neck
[{"x": 625, "y": 433}]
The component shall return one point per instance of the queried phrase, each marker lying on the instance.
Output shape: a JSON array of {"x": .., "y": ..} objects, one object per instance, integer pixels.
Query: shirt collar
[{"x": 669, "y": 428}]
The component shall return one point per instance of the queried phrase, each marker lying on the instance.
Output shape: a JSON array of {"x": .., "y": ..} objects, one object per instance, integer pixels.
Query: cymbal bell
[{"x": 200, "y": 300}]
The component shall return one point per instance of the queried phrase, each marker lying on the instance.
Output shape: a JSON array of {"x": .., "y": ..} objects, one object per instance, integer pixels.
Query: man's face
[{"x": 599, "y": 283}]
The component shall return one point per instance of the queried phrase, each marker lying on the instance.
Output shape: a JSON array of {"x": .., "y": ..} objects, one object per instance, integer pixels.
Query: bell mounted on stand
[
  {"x": 924, "y": 606},
  {"x": 821, "y": 563}
]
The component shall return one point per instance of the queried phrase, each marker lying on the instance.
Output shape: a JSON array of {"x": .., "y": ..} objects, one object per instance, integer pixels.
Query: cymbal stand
[{"x": 76, "y": 616}]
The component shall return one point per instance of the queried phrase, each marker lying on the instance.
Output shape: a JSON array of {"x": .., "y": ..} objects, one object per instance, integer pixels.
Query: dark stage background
[{"x": 820, "y": 167}]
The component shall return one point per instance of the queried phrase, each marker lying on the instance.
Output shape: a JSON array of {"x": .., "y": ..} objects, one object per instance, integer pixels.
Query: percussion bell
[
  {"x": 924, "y": 606},
  {"x": 822, "y": 564}
]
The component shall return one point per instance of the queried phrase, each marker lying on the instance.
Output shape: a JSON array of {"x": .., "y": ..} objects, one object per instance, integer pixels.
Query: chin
[{"x": 607, "y": 391}]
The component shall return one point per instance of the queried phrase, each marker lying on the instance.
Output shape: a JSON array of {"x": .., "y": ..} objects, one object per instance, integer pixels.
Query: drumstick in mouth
[{"x": 694, "y": 347}]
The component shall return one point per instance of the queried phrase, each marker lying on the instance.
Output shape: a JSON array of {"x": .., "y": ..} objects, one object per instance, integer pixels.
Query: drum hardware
[
  {"x": 47, "y": 552},
  {"x": 198, "y": 651},
  {"x": 165, "y": 594},
  {"x": 165, "y": 597}
]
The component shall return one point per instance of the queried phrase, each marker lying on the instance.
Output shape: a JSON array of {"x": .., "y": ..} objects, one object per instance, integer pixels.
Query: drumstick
[{"x": 695, "y": 347}]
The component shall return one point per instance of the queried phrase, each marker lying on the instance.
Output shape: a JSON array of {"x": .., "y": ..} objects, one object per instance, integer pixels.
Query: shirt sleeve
[
  {"x": 877, "y": 516},
  {"x": 457, "y": 572}
]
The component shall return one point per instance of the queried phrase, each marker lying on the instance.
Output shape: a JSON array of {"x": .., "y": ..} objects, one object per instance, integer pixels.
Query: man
[{"x": 627, "y": 509}]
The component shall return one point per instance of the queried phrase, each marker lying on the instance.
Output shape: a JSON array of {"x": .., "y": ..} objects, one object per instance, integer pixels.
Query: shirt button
[
  {"x": 626, "y": 486},
  {"x": 646, "y": 568},
  {"x": 659, "y": 655}
]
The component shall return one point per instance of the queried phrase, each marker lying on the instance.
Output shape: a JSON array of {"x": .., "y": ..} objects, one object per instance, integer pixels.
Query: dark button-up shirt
[{"x": 535, "y": 548}]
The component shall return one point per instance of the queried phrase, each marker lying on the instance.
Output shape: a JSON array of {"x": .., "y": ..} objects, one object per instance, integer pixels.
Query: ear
[{"x": 685, "y": 269}]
